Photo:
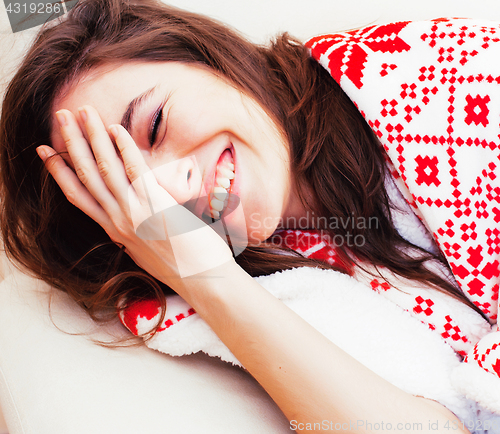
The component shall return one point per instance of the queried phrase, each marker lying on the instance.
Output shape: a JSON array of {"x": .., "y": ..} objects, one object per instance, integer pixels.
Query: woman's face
[{"x": 175, "y": 112}]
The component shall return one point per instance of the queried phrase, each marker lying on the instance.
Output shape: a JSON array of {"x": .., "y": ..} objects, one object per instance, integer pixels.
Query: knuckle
[
  {"x": 83, "y": 168},
  {"x": 68, "y": 140},
  {"x": 52, "y": 163},
  {"x": 104, "y": 168},
  {"x": 133, "y": 172},
  {"x": 82, "y": 175},
  {"x": 123, "y": 229},
  {"x": 93, "y": 134}
]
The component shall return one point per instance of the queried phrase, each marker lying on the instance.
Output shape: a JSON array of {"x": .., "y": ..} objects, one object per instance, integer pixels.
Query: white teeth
[
  {"x": 223, "y": 182},
  {"x": 226, "y": 173},
  {"x": 220, "y": 193},
  {"x": 216, "y": 204}
]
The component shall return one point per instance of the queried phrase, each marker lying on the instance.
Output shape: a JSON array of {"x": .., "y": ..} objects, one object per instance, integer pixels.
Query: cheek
[
  {"x": 265, "y": 201},
  {"x": 260, "y": 227},
  {"x": 186, "y": 131},
  {"x": 262, "y": 219}
]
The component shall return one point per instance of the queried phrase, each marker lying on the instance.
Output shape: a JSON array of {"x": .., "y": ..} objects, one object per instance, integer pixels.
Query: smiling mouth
[{"x": 219, "y": 197}]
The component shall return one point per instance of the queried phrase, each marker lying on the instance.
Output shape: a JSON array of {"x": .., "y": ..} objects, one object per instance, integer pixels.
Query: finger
[
  {"x": 149, "y": 193},
  {"x": 135, "y": 165},
  {"x": 114, "y": 170},
  {"x": 71, "y": 186},
  {"x": 84, "y": 162},
  {"x": 108, "y": 161}
]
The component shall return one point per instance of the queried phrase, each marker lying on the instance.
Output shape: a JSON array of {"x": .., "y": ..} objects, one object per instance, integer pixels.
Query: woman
[{"x": 147, "y": 107}]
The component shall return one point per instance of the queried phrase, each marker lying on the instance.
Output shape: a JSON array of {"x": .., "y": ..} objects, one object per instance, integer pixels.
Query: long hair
[{"x": 333, "y": 151}]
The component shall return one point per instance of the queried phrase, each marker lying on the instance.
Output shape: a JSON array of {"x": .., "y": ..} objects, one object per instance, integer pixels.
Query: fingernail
[
  {"x": 114, "y": 130},
  {"x": 42, "y": 153},
  {"x": 61, "y": 118},
  {"x": 83, "y": 114}
]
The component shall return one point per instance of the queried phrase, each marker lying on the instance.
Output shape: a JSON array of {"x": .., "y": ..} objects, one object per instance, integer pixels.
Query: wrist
[{"x": 209, "y": 285}]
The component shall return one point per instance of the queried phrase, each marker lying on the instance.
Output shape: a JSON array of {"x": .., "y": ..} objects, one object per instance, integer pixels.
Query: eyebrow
[{"x": 128, "y": 117}]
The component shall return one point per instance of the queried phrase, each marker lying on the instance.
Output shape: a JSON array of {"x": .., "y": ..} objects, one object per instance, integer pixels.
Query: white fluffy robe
[{"x": 369, "y": 327}]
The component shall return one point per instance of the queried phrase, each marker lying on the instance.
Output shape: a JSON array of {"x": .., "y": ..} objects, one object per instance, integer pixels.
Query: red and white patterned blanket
[{"x": 431, "y": 92}]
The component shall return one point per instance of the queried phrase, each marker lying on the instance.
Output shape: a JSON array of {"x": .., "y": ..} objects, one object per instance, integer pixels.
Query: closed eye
[{"x": 155, "y": 125}]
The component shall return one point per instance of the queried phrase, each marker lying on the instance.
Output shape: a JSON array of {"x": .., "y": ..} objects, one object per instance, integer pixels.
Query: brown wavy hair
[{"x": 333, "y": 151}]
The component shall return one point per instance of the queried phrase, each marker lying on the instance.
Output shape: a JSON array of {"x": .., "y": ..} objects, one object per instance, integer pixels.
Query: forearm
[{"x": 309, "y": 377}]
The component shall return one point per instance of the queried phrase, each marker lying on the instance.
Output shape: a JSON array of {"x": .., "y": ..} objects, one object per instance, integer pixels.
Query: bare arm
[{"x": 309, "y": 377}]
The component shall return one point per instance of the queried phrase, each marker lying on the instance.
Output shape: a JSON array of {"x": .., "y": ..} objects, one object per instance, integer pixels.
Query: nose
[{"x": 181, "y": 178}]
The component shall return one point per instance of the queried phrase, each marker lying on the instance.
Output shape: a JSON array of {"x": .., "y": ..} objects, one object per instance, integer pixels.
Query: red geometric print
[
  {"x": 477, "y": 110},
  {"x": 436, "y": 113},
  {"x": 452, "y": 331},
  {"x": 496, "y": 367},
  {"x": 385, "y": 67},
  {"x": 493, "y": 241},
  {"x": 311, "y": 244},
  {"x": 148, "y": 309},
  {"x": 434, "y": 119},
  {"x": 427, "y": 170},
  {"x": 423, "y": 306},
  {"x": 389, "y": 108},
  {"x": 379, "y": 286},
  {"x": 486, "y": 354},
  {"x": 171, "y": 321},
  {"x": 351, "y": 53}
]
